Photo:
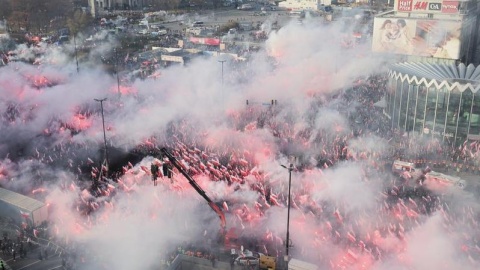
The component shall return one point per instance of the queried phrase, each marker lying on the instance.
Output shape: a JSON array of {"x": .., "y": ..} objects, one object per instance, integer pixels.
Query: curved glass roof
[{"x": 452, "y": 76}]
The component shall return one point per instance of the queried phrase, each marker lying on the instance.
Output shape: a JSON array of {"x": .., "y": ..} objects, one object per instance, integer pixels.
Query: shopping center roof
[
  {"x": 18, "y": 200},
  {"x": 459, "y": 77}
]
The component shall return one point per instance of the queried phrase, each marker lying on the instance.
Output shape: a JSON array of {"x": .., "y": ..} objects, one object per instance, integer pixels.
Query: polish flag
[{"x": 25, "y": 215}]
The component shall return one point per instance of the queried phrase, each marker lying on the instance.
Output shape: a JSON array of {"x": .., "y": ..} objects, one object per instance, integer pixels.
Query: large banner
[
  {"x": 439, "y": 39},
  {"x": 430, "y": 6}
]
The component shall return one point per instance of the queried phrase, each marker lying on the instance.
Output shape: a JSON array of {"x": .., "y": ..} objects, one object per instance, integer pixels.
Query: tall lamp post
[
  {"x": 116, "y": 71},
  {"x": 222, "y": 61},
  {"x": 105, "y": 153},
  {"x": 223, "y": 98},
  {"x": 76, "y": 57},
  {"x": 287, "y": 242}
]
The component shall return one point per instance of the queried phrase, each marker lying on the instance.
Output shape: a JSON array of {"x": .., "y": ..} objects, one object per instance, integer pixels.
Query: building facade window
[
  {"x": 433, "y": 111},
  {"x": 475, "y": 115}
]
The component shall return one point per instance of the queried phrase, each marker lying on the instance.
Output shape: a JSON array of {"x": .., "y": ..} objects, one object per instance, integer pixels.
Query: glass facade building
[{"x": 435, "y": 100}]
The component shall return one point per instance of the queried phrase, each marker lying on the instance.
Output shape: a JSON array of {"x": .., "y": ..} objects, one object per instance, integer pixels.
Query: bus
[{"x": 445, "y": 180}]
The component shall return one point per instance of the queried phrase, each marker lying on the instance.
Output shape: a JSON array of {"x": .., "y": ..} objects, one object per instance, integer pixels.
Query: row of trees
[
  {"x": 40, "y": 15},
  {"x": 43, "y": 16},
  {"x": 175, "y": 4}
]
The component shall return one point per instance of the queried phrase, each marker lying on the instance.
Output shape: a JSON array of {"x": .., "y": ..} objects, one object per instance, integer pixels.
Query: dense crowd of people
[
  {"x": 225, "y": 162},
  {"x": 318, "y": 149}
]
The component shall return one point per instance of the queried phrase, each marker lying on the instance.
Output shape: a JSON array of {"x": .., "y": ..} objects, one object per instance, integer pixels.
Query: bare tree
[
  {"x": 79, "y": 21},
  {"x": 5, "y": 9},
  {"x": 36, "y": 15},
  {"x": 165, "y": 4}
]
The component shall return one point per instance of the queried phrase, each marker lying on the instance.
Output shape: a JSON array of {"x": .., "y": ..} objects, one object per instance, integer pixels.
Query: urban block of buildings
[{"x": 433, "y": 90}]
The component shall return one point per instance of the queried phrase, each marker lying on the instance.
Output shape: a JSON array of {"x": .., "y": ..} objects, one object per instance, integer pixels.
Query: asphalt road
[
  {"x": 32, "y": 262},
  {"x": 213, "y": 18}
]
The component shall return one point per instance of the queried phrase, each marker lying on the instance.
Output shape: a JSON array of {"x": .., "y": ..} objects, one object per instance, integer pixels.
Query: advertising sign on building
[
  {"x": 430, "y": 6},
  {"x": 405, "y": 5},
  {"x": 431, "y": 38},
  {"x": 205, "y": 41},
  {"x": 450, "y": 7}
]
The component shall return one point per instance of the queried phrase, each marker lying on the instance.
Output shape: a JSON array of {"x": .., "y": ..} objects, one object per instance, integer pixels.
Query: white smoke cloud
[{"x": 142, "y": 222}]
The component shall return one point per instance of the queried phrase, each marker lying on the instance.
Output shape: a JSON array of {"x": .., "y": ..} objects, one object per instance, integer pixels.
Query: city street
[
  {"x": 176, "y": 137},
  {"x": 222, "y": 17},
  {"x": 33, "y": 261}
]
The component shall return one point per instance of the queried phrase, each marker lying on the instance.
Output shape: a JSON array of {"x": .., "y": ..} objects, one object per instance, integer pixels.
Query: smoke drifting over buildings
[{"x": 343, "y": 211}]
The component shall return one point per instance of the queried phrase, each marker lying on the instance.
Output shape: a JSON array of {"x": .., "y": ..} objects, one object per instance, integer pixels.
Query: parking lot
[{"x": 218, "y": 18}]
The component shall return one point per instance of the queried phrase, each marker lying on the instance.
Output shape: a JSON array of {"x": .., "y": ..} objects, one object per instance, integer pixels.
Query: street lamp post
[
  {"x": 222, "y": 61},
  {"x": 105, "y": 153},
  {"x": 287, "y": 242},
  {"x": 116, "y": 71},
  {"x": 223, "y": 98},
  {"x": 76, "y": 57}
]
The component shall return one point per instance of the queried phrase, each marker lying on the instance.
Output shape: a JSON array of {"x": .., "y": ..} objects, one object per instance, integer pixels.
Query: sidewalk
[
  {"x": 7, "y": 267},
  {"x": 6, "y": 227}
]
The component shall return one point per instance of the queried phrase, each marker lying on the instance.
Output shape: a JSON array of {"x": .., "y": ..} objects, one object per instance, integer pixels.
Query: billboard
[
  {"x": 431, "y": 38},
  {"x": 205, "y": 41},
  {"x": 430, "y": 6}
]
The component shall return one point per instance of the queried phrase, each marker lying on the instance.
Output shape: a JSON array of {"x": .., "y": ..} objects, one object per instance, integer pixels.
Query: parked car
[
  {"x": 197, "y": 24},
  {"x": 159, "y": 32},
  {"x": 157, "y": 26},
  {"x": 263, "y": 13},
  {"x": 62, "y": 40}
]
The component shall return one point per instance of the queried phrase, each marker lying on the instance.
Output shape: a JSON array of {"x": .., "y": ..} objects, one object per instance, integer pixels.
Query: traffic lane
[
  {"x": 249, "y": 16},
  {"x": 50, "y": 264},
  {"x": 32, "y": 261},
  {"x": 218, "y": 18},
  {"x": 36, "y": 264}
]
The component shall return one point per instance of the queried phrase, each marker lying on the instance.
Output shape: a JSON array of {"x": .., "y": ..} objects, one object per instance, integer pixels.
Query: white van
[
  {"x": 299, "y": 14},
  {"x": 143, "y": 23},
  {"x": 403, "y": 166},
  {"x": 406, "y": 170},
  {"x": 245, "y": 7},
  {"x": 232, "y": 31}
]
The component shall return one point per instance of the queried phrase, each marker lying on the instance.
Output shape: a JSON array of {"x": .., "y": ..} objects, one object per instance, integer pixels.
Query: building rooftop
[
  {"x": 23, "y": 202},
  {"x": 438, "y": 75}
]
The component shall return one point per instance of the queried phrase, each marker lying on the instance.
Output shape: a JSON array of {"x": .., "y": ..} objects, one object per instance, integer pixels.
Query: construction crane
[{"x": 197, "y": 188}]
